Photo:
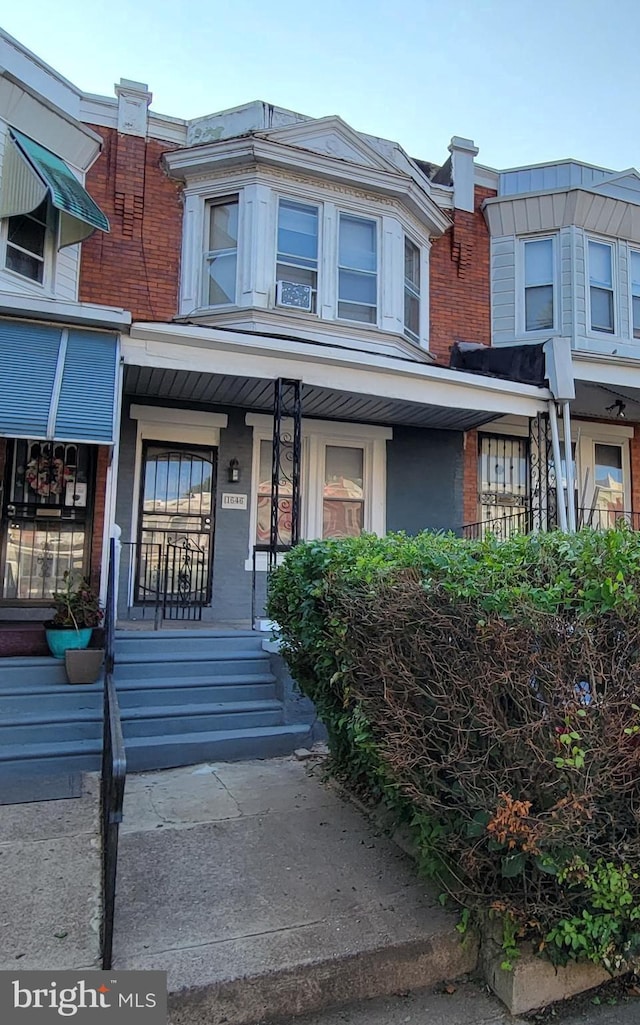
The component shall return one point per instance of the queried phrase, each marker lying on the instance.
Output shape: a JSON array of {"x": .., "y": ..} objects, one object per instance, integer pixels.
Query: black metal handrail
[
  {"x": 501, "y": 527},
  {"x": 114, "y": 773}
]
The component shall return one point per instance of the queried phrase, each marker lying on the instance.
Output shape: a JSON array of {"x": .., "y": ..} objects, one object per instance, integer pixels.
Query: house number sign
[{"x": 230, "y": 501}]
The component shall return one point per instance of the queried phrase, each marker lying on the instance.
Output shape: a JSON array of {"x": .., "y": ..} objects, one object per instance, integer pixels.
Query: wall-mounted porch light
[
  {"x": 233, "y": 471},
  {"x": 619, "y": 407}
]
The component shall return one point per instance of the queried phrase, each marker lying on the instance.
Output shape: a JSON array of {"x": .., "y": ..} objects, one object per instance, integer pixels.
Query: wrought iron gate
[{"x": 186, "y": 573}]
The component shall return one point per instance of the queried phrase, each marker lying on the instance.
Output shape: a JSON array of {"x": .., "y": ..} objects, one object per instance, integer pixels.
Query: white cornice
[{"x": 197, "y": 162}]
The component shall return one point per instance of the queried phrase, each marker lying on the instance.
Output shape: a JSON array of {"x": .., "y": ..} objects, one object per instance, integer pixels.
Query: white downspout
[
  {"x": 571, "y": 508},
  {"x": 555, "y": 444}
]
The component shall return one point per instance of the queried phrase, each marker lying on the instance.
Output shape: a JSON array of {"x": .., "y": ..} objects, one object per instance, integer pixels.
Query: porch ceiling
[
  {"x": 593, "y": 400},
  {"x": 324, "y": 403}
]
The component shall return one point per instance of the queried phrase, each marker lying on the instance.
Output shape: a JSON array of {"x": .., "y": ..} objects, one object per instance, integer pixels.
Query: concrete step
[
  {"x": 25, "y": 698},
  {"x": 166, "y": 752},
  {"x": 26, "y": 670},
  {"x": 185, "y": 642},
  {"x": 170, "y": 691},
  {"x": 44, "y": 727},
  {"x": 141, "y": 667},
  {"x": 157, "y": 752}
]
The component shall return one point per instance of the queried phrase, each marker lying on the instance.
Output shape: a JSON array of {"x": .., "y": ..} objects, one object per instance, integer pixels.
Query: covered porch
[{"x": 235, "y": 445}]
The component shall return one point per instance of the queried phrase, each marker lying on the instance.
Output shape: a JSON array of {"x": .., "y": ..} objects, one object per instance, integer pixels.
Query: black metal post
[{"x": 285, "y": 468}]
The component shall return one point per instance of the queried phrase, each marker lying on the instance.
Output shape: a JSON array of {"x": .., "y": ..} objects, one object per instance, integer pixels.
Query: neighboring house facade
[
  {"x": 59, "y": 371},
  {"x": 565, "y": 264},
  {"x": 259, "y": 246}
]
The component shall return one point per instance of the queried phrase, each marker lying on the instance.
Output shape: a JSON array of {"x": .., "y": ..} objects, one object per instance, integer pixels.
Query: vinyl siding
[{"x": 503, "y": 289}]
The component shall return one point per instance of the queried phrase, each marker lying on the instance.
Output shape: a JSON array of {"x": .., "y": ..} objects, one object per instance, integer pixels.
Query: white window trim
[
  {"x": 421, "y": 295},
  {"x": 47, "y": 285},
  {"x": 615, "y": 286},
  {"x": 630, "y": 251},
  {"x": 377, "y": 220},
  {"x": 316, "y": 435},
  {"x": 278, "y": 197},
  {"x": 211, "y": 201},
  {"x": 521, "y": 319}
]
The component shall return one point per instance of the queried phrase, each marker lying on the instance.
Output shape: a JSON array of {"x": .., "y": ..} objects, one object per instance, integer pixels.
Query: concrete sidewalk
[
  {"x": 261, "y": 892},
  {"x": 50, "y": 883}
]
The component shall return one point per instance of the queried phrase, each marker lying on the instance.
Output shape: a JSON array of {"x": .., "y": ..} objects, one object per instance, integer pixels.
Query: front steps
[{"x": 185, "y": 696}]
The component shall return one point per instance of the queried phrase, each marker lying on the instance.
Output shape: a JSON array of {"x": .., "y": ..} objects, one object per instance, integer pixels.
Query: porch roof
[{"x": 210, "y": 366}]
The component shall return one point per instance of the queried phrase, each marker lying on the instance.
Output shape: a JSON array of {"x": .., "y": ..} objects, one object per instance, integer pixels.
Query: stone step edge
[{"x": 331, "y": 982}]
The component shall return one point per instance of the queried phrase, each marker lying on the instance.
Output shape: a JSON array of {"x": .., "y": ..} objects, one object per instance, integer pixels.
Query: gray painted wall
[
  {"x": 424, "y": 480},
  {"x": 424, "y": 491}
]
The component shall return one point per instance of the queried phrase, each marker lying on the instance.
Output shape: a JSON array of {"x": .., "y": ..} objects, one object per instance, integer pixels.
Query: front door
[
  {"x": 46, "y": 517},
  {"x": 175, "y": 537}
]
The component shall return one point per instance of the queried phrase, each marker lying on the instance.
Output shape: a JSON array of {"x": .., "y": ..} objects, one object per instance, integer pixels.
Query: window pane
[
  {"x": 21, "y": 263},
  {"x": 357, "y": 243},
  {"x": 600, "y": 264},
  {"x": 602, "y": 310},
  {"x": 636, "y": 316},
  {"x": 412, "y": 264},
  {"x": 411, "y": 314},
  {"x": 608, "y": 479},
  {"x": 343, "y": 472},
  {"x": 365, "y": 314},
  {"x": 298, "y": 230},
  {"x": 342, "y": 519},
  {"x": 223, "y": 230},
  {"x": 635, "y": 273},
  {"x": 27, "y": 233},
  {"x": 538, "y": 303},
  {"x": 222, "y": 284},
  {"x": 299, "y": 275},
  {"x": 358, "y": 288},
  {"x": 538, "y": 262},
  {"x": 263, "y": 519}
]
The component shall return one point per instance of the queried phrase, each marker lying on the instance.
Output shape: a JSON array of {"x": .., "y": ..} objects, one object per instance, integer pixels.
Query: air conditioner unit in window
[{"x": 294, "y": 295}]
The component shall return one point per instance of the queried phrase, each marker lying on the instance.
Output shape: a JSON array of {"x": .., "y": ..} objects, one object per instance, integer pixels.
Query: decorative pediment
[{"x": 330, "y": 137}]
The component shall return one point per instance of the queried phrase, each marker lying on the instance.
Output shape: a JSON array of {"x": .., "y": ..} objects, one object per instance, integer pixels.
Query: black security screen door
[
  {"x": 46, "y": 517},
  {"x": 176, "y": 528}
]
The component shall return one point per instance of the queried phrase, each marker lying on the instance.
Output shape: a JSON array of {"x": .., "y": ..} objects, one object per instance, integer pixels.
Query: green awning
[{"x": 80, "y": 215}]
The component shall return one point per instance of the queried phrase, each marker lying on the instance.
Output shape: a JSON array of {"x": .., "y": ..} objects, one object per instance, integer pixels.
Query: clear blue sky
[{"x": 529, "y": 80}]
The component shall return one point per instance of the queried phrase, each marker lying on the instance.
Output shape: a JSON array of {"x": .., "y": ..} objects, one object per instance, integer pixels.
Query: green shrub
[{"x": 490, "y": 693}]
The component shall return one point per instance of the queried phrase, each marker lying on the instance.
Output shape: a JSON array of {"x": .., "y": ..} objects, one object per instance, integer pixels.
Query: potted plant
[{"x": 77, "y": 612}]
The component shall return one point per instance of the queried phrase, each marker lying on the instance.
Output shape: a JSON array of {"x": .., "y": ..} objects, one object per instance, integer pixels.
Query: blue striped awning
[{"x": 57, "y": 382}]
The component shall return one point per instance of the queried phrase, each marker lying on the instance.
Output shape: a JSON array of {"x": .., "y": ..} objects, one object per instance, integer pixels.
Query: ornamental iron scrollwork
[{"x": 285, "y": 470}]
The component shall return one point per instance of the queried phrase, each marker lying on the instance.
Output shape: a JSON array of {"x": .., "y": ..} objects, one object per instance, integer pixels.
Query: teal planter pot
[{"x": 60, "y": 641}]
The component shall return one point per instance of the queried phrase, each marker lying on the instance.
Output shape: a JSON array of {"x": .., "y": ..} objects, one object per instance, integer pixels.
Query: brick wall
[
  {"x": 136, "y": 265},
  {"x": 460, "y": 309},
  {"x": 459, "y": 282}
]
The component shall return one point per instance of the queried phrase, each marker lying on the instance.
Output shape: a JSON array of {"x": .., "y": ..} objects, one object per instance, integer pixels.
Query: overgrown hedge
[{"x": 490, "y": 693}]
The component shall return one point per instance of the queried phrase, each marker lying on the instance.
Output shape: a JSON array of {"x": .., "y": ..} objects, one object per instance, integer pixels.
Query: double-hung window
[
  {"x": 26, "y": 241},
  {"x": 297, "y": 257},
  {"x": 538, "y": 285},
  {"x": 411, "y": 290},
  {"x": 635, "y": 293},
  {"x": 221, "y": 258},
  {"x": 601, "y": 286},
  {"x": 358, "y": 269}
]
